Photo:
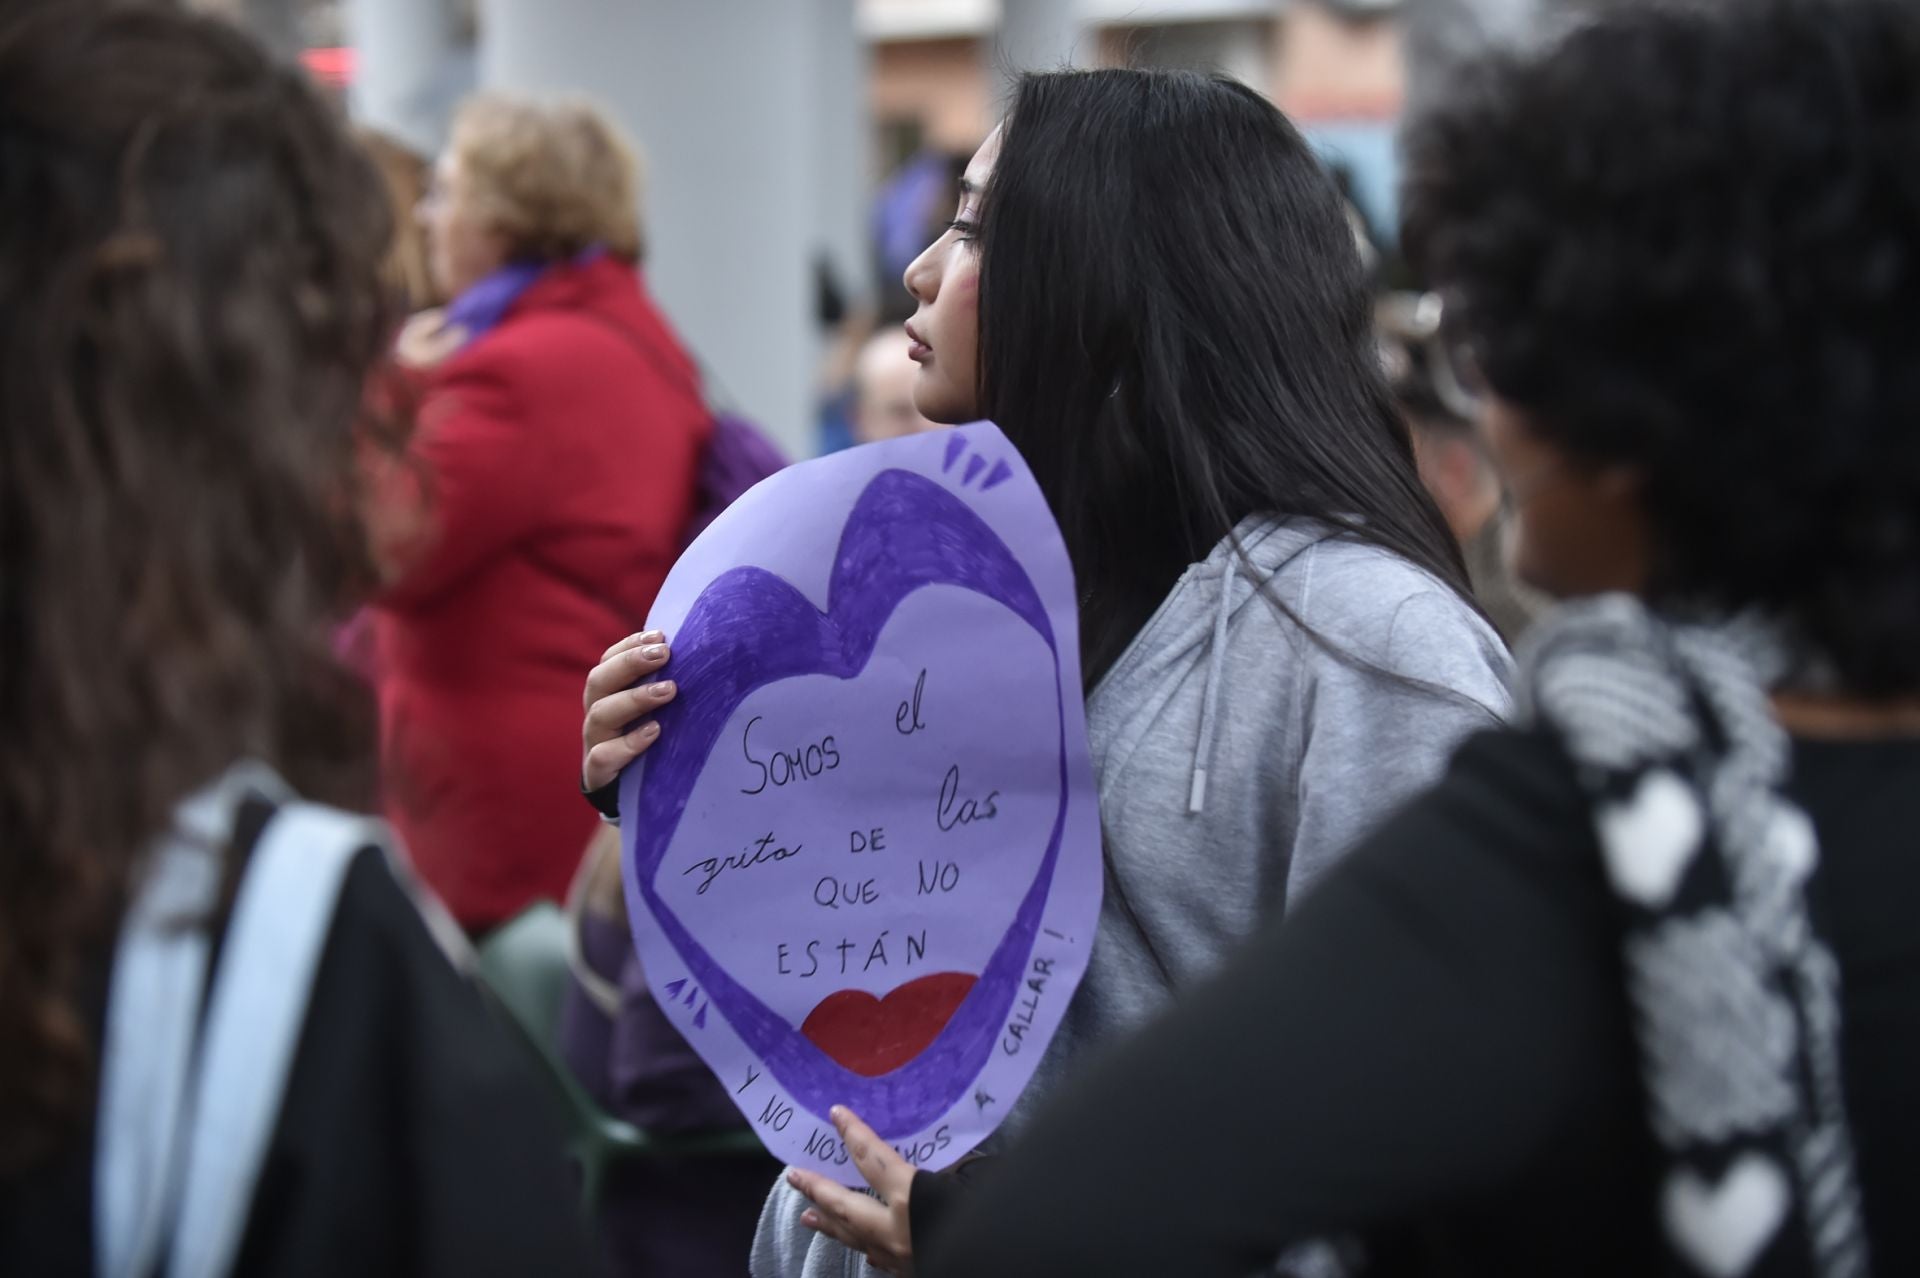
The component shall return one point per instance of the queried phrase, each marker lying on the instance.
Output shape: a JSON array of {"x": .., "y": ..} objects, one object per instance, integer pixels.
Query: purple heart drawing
[{"x": 845, "y": 853}]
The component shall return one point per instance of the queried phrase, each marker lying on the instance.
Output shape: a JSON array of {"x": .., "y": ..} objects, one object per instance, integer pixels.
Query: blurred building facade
[
  {"x": 941, "y": 67},
  {"x": 767, "y": 124}
]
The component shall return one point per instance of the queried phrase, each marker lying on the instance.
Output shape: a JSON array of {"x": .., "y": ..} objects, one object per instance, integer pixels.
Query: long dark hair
[
  {"x": 189, "y": 309},
  {"x": 1175, "y": 331}
]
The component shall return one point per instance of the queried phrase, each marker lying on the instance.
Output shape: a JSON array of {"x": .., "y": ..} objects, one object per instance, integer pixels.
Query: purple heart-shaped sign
[{"x": 862, "y": 859}]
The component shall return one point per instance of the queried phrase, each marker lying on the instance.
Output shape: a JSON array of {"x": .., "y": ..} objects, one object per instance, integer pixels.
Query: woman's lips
[{"x": 919, "y": 352}]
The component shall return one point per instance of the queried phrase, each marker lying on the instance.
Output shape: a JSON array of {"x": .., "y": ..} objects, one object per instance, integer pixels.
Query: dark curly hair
[
  {"x": 189, "y": 311},
  {"x": 1686, "y": 238}
]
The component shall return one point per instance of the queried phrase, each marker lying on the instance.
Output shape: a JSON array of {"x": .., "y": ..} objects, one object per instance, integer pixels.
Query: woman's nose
[{"x": 919, "y": 277}]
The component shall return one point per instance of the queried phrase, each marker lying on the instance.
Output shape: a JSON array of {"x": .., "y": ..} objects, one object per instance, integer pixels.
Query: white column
[
  {"x": 413, "y": 61},
  {"x": 1039, "y": 35},
  {"x": 843, "y": 144},
  {"x": 1239, "y": 47},
  {"x": 275, "y": 23},
  {"x": 724, "y": 99}
]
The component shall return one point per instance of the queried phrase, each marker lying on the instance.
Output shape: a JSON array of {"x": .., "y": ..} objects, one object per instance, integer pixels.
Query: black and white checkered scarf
[{"x": 1733, "y": 993}]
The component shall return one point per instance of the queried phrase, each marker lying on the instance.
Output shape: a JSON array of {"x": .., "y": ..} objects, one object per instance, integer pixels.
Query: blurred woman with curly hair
[
  {"x": 1636, "y": 988},
  {"x": 228, "y": 1040}
]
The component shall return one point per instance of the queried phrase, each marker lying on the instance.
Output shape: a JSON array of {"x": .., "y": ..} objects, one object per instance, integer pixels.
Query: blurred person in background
[
  {"x": 1636, "y": 988},
  {"x": 228, "y": 1039},
  {"x": 662, "y": 1215},
  {"x": 405, "y": 175},
  {"x": 1455, "y": 462},
  {"x": 909, "y": 211},
  {"x": 533, "y": 533},
  {"x": 883, "y": 406},
  {"x": 834, "y": 392}
]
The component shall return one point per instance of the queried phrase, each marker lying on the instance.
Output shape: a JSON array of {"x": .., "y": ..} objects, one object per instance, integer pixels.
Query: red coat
[{"x": 559, "y": 458}]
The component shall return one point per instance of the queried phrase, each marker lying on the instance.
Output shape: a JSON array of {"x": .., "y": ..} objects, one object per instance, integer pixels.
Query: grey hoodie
[{"x": 1238, "y": 758}]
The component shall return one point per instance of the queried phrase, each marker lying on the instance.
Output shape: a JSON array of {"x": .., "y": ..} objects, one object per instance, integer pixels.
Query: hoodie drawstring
[{"x": 1210, "y": 702}]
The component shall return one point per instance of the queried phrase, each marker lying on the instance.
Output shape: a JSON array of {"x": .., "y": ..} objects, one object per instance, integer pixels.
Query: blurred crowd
[{"x": 333, "y": 473}]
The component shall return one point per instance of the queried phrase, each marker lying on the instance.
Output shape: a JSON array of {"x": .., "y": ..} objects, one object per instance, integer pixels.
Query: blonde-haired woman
[{"x": 530, "y": 537}]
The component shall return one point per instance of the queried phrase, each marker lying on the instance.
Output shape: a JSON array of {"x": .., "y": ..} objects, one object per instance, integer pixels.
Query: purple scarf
[{"x": 481, "y": 305}]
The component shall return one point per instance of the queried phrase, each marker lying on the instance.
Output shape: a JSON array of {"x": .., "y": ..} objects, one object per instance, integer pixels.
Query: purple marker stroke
[{"x": 869, "y": 829}]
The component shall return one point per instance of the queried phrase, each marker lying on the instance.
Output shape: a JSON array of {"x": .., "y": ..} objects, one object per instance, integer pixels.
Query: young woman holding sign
[{"x": 1152, "y": 288}]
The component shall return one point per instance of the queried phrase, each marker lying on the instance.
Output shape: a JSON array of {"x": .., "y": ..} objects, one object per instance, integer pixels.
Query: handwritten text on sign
[{"x": 863, "y": 857}]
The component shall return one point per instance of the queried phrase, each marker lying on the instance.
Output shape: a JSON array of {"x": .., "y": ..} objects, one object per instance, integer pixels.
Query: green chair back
[{"x": 524, "y": 966}]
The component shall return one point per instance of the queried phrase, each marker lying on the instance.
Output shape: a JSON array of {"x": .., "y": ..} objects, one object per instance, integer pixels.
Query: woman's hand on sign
[
  {"x": 878, "y": 1229},
  {"x": 619, "y": 726}
]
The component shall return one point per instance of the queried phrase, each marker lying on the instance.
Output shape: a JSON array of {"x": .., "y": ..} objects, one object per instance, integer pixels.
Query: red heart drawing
[{"x": 874, "y": 1036}]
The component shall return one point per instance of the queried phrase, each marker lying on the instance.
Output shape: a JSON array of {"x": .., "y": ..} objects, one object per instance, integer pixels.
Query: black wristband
[{"x": 605, "y": 800}]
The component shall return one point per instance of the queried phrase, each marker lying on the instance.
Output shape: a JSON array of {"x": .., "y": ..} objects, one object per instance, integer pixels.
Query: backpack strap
[
  {"x": 153, "y": 1009},
  {"x": 255, "y": 1012},
  {"x": 185, "y": 1126}
]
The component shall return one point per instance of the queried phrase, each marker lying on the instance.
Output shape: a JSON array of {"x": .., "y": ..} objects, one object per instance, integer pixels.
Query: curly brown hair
[{"x": 189, "y": 314}]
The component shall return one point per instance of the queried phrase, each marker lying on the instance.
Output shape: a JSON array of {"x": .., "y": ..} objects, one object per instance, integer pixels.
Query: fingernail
[
  {"x": 647, "y": 731},
  {"x": 652, "y": 636},
  {"x": 793, "y": 1178},
  {"x": 653, "y": 652},
  {"x": 810, "y": 1220},
  {"x": 839, "y": 1115},
  {"x": 661, "y": 691}
]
